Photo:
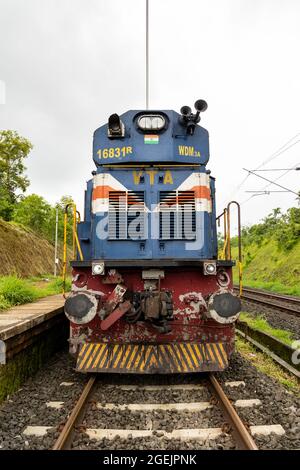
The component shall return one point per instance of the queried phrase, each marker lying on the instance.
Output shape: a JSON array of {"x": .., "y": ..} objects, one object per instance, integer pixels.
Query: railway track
[
  {"x": 232, "y": 423},
  {"x": 286, "y": 303},
  {"x": 159, "y": 412}
]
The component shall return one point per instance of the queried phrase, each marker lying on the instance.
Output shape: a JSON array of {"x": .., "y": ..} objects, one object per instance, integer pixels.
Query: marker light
[
  {"x": 209, "y": 268},
  {"x": 98, "y": 268},
  {"x": 151, "y": 122}
]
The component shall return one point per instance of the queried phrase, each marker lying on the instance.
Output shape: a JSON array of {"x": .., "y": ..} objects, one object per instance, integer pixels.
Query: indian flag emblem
[{"x": 151, "y": 139}]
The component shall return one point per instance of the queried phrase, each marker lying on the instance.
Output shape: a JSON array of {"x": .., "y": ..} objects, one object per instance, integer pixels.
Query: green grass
[
  {"x": 268, "y": 267},
  {"x": 272, "y": 286},
  {"x": 4, "y": 304},
  {"x": 259, "y": 323},
  {"x": 267, "y": 366},
  {"x": 55, "y": 287},
  {"x": 17, "y": 291}
]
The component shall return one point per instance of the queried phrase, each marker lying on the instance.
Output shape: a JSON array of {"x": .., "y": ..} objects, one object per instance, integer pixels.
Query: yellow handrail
[
  {"x": 240, "y": 267},
  {"x": 226, "y": 252},
  {"x": 76, "y": 244}
]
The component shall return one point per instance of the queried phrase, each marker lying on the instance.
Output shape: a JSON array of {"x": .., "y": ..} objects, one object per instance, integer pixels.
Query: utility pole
[
  {"x": 56, "y": 236},
  {"x": 147, "y": 54}
]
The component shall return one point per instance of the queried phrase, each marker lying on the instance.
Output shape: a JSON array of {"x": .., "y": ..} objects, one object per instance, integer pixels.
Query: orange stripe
[
  {"x": 100, "y": 192},
  {"x": 202, "y": 192}
]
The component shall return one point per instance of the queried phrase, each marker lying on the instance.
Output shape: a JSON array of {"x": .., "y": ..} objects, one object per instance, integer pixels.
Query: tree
[
  {"x": 34, "y": 212},
  {"x": 49, "y": 227},
  {"x": 61, "y": 205},
  {"x": 13, "y": 150},
  {"x": 284, "y": 228}
]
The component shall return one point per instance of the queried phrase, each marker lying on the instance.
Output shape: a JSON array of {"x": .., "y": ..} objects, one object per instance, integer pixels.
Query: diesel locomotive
[{"x": 149, "y": 292}]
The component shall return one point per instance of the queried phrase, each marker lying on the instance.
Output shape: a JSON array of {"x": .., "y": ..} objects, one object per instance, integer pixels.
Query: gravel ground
[
  {"x": 154, "y": 443},
  {"x": 278, "y": 405},
  {"x": 275, "y": 317},
  {"x": 28, "y": 407}
]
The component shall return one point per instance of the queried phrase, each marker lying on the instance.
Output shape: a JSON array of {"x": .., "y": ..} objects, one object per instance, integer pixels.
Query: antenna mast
[{"x": 147, "y": 54}]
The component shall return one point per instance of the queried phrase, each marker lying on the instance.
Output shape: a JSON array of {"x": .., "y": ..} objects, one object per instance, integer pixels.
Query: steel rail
[
  {"x": 272, "y": 295},
  {"x": 241, "y": 434},
  {"x": 264, "y": 299},
  {"x": 65, "y": 438},
  {"x": 268, "y": 303}
]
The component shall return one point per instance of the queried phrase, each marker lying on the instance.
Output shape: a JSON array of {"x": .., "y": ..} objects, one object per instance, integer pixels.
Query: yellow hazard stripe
[
  {"x": 145, "y": 358},
  {"x": 88, "y": 348}
]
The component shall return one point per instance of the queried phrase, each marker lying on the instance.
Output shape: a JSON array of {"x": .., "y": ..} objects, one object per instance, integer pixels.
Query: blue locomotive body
[
  {"x": 149, "y": 294},
  {"x": 154, "y": 167}
]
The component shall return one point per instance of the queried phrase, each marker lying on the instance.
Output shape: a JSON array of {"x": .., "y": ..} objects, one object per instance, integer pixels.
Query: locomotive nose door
[
  {"x": 125, "y": 220},
  {"x": 175, "y": 202}
]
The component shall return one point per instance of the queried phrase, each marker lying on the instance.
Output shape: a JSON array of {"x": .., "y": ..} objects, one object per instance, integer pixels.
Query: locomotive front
[{"x": 149, "y": 294}]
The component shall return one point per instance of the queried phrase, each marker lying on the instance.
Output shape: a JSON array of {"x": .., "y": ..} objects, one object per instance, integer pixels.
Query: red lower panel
[{"x": 190, "y": 290}]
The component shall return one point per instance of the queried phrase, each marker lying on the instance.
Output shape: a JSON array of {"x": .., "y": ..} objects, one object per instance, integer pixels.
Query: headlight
[
  {"x": 97, "y": 268},
  {"x": 224, "y": 307},
  {"x": 81, "y": 307},
  {"x": 209, "y": 268},
  {"x": 151, "y": 122}
]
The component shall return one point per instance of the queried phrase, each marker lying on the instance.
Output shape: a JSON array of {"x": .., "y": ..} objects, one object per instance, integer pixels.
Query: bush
[
  {"x": 55, "y": 286},
  {"x": 283, "y": 228},
  {"x": 16, "y": 291},
  {"x": 4, "y": 304}
]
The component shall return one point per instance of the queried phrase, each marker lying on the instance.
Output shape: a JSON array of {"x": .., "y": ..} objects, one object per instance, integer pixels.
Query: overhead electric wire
[
  {"x": 283, "y": 174},
  {"x": 281, "y": 150},
  {"x": 278, "y": 169},
  {"x": 267, "y": 192},
  {"x": 271, "y": 182},
  {"x": 274, "y": 155}
]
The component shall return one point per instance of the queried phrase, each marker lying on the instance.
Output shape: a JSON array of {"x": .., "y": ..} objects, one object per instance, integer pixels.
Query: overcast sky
[{"x": 68, "y": 64}]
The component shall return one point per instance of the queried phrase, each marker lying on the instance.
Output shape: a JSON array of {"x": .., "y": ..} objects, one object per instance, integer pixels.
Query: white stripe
[
  {"x": 100, "y": 205},
  {"x": 151, "y": 388},
  {"x": 202, "y": 204},
  {"x": 266, "y": 430},
  {"x": 195, "y": 179},
  {"x": 200, "y": 406},
  {"x": 38, "y": 431},
  {"x": 236, "y": 383},
  {"x": 57, "y": 405},
  {"x": 106, "y": 179},
  {"x": 247, "y": 403},
  {"x": 183, "y": 434}
]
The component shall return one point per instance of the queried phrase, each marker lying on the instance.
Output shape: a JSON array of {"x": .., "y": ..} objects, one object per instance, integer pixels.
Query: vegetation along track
[
  {"x": 234, "y": 425},
  {"x": 281, "y": 311},
  {"x": 286, "y": 303}
]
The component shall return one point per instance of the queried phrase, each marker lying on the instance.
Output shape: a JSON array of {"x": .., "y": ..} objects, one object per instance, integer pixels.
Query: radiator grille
[
  {"x": 177, "y": 216},
  {"x": 126, "y": 215}
]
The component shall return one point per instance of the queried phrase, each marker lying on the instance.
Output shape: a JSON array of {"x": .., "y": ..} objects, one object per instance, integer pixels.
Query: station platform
[{"x": 21, "y": 324}]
